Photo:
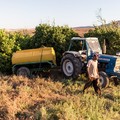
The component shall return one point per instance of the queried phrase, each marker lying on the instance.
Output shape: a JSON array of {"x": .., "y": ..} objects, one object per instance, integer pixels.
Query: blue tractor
[{"x": 81, "y": 50}]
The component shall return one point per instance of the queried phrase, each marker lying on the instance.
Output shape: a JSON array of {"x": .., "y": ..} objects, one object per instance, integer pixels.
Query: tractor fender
[{"x": 74, "y": 53}]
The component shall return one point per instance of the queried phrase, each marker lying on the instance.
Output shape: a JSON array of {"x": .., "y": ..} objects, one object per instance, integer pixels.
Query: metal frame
[{"x": 33, "y": 69}]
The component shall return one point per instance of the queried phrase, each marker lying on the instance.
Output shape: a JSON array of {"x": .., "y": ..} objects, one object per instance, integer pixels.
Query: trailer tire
[
  {"x": 104, "y": 80},
  {"x": 23, "y": 71},
  {"x": 71, "y": 66}
]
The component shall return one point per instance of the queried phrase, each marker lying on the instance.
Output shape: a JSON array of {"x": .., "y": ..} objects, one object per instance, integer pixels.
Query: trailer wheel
[
  {"x": 104, "y": 80},
  {"x": 71, "y": 66},
  {"x": 23, "y": 71}
]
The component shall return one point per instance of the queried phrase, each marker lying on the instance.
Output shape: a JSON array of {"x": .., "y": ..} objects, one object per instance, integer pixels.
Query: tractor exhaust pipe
[{"x": 104, "y": 47}]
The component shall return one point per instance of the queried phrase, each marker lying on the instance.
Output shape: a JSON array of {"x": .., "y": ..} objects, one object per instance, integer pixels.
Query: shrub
[{"x": 10, "y": 42}]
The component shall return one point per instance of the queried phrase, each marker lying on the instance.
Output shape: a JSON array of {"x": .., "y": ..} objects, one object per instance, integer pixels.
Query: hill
[
  {"x": 29, "y": 31},
  {"x": 82, "y": 30}
]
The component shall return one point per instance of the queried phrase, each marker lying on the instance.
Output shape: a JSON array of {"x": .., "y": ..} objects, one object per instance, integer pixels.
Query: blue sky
[{"x": 74, "y": 13}]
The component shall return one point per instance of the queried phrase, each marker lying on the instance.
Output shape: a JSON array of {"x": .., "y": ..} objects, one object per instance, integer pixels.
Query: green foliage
[
  {"x": 6, "y": 43},
  {"x": 9, "y": 43},
  {"x": 53, "y": 36},
  {"x": 22, "y": 41},
  {"x": 109, "y": 32},
  {"x": 5, "y": 64},
  {"x": 6, "y": 46}
]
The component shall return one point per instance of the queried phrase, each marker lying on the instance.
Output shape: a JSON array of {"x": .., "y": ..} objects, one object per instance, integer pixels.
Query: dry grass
[{"x": 48, "y": 99}]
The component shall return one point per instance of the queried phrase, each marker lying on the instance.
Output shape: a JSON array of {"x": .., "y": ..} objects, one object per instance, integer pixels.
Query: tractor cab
[{"x": 85, "y": 46}]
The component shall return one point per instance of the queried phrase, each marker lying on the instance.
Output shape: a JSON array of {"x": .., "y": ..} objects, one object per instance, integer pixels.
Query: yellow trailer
[{"x": 26, "y": 61}]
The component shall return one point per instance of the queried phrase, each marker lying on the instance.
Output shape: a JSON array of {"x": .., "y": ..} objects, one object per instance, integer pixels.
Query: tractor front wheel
[{"x": 104, "y": 80}]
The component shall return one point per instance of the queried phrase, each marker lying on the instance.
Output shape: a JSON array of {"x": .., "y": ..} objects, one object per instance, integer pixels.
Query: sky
[{"x": 16, "y": 14}]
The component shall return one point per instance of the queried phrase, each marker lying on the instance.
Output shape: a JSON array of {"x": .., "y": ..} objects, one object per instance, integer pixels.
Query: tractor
[{"x": 80, "y": 51}]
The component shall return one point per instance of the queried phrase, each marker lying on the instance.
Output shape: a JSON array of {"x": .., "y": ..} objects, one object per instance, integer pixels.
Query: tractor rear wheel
[
  {"x": 71, "y": 66},
  {"x": 104, "y": 80}
]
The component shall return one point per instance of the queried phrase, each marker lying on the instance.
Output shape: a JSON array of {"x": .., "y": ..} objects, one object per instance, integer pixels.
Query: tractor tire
[
  {"x": 71, "y": 66},
  {"x": 23, "y": 71},
  {"x": 104, "y": 80}
]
